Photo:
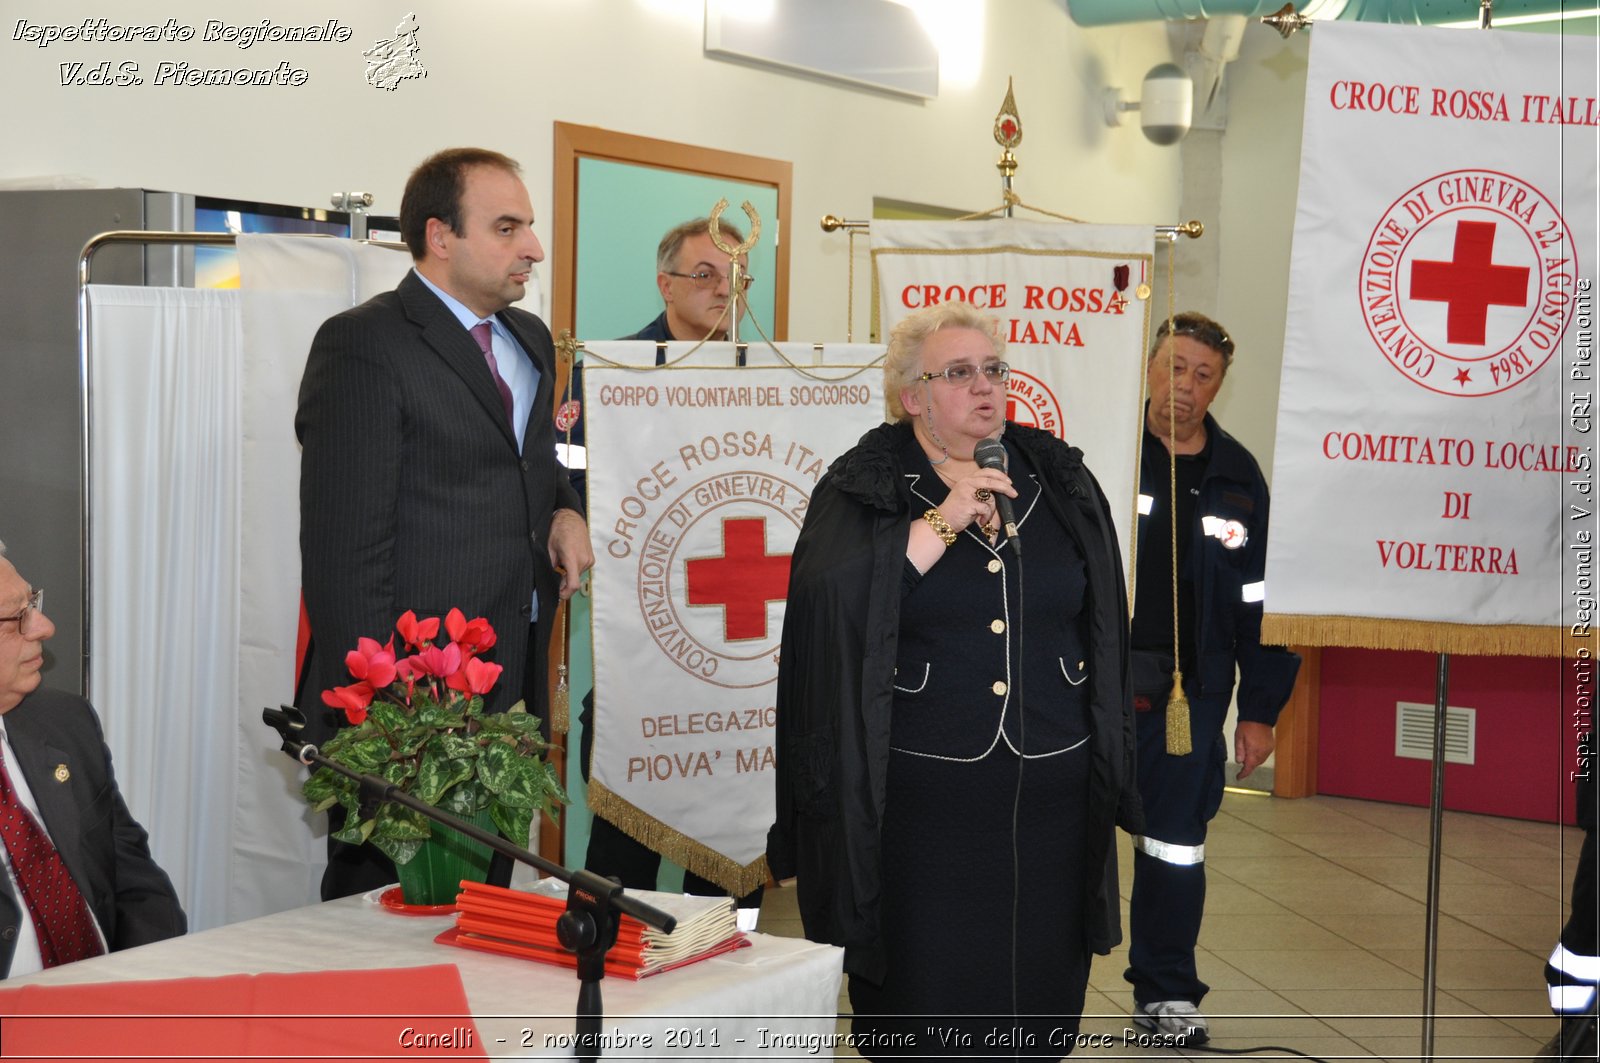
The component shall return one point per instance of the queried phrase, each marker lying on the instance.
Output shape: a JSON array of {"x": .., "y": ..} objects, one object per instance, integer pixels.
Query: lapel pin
[{"x": 62, "y": 774}]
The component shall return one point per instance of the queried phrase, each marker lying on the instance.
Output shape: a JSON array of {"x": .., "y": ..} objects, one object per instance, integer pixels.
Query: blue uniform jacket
[{"x": 1230, "y": 578}]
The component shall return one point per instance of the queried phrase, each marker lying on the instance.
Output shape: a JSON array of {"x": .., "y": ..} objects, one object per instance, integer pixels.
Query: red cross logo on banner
[
  {"x": 1470, "y": 283},
  {"x": 743, "y": 580}
]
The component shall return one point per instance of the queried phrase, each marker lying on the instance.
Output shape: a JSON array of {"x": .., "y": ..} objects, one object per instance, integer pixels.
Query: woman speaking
[{"x": 954, "y": 725}]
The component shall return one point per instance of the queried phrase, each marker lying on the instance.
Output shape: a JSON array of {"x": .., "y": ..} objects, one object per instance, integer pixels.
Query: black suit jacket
[
  {"x": 412, "y": 492},
  {"x": 103, "y": 847}
]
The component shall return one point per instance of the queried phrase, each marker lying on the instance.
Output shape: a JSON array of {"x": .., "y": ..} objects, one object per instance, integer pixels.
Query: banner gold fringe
[
  {"x": 675, "y": 846},
  {"x": 1377, "y": 633}
]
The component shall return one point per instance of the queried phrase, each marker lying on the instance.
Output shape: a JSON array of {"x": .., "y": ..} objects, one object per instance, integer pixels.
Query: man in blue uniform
[{"x": 1210, "y": 617}]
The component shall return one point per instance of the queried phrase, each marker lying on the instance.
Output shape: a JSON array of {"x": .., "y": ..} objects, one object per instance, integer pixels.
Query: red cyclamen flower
[
  {"x": 432, "y": 660},
  {"x": 475, "y": 677},
  {"x": 353, "y": 699},
  {"x": 414, "y": 631},
  {"x": 473, "y": 636},
  {"x": 372, "y": 662}
]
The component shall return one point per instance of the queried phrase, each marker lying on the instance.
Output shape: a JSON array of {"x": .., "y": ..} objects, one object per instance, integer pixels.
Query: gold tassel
[
  {"x": 561, "y": 704},
  {"x": 1179, "y": 740}
]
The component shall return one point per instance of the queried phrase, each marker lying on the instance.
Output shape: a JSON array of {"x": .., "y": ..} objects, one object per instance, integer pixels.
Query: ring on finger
[{"x": 982, "y": 494}]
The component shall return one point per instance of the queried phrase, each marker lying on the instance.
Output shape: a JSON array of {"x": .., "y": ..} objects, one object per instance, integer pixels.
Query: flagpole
[{"x": 1430, "y": 962}]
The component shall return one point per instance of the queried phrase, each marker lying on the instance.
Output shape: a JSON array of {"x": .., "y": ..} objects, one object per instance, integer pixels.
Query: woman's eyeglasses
[{"x": 964, "y": 373}]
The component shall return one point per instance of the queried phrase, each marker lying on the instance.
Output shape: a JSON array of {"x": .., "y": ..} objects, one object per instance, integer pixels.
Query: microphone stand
[{"x": 595, "y": 905}]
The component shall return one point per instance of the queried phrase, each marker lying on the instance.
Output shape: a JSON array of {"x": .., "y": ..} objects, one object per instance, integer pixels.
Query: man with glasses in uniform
[
  {"x": 692, "y": 277},
  {"x": 1215, "y": 606},
  {"x": 79, "y": 880}
]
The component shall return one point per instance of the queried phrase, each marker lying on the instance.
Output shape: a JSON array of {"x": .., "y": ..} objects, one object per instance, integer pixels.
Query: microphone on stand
[{"x": 991, "y": 454}]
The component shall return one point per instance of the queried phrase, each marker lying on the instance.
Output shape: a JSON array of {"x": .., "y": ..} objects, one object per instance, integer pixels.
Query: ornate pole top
[{"x": 1007, "y": 132}]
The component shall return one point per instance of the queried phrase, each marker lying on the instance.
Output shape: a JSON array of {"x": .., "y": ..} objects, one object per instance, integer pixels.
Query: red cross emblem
[
  {"x": 743, "y": 580},
  {"x": 1470, "y": 282}
]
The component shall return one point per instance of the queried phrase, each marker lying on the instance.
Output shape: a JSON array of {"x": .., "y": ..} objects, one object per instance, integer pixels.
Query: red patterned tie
[
  {"x": 60, "y": 914},
  {"x": 484, "y": 335}
]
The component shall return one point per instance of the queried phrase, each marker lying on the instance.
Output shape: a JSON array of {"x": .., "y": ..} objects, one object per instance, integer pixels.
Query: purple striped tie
[{"x": 484, "y": 335}]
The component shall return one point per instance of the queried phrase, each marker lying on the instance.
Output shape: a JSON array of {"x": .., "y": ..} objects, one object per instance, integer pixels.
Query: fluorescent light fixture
[{"x": 1526, "y": 20}]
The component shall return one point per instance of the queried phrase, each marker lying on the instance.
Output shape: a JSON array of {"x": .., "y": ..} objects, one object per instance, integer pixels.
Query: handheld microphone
[{"x": 991, "y": 454}]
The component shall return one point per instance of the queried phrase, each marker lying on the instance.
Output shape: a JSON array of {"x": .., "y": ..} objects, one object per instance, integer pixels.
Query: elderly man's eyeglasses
[
  {"x": 710, "y": 278},
  {"x": 962, "y": 374},
  {"x": 35, "y": 604}
]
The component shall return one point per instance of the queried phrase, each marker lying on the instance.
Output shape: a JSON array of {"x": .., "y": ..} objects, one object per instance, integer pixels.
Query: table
[{"x": 742, "y": 1003}]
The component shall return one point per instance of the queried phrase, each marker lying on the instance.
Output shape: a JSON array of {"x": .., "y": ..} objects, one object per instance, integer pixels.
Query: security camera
[{"x": 1165, "y": 109}]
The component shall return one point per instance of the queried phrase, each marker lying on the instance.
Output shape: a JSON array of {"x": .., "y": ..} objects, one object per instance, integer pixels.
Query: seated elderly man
[{"x": 79, "y": 879}]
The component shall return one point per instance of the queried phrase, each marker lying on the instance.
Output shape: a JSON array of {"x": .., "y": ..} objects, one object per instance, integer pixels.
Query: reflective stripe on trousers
[
  {"x": 1572, "y": 999},
  {"x": 1576, "y": 965},
  {"x": 1168, "y": 853}
]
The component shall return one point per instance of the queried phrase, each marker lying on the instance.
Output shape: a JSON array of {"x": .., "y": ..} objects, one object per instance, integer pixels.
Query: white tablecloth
[{"x": 718, "y": 1007}]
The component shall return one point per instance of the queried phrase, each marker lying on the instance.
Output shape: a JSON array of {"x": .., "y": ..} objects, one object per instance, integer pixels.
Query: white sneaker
[{"x": 1173, "y": 1018}]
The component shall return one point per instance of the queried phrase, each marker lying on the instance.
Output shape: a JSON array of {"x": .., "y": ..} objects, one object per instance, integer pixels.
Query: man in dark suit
[
  {"x": 428, "y": 476},
  {"x": 57, "y": 774}
]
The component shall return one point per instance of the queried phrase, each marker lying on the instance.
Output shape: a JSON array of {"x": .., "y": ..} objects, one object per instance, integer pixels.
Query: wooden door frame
[{"x": 574, "y": 143}]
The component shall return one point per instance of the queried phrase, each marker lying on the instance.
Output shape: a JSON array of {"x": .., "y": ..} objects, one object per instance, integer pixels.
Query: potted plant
[{"x": 417, "y": 721}]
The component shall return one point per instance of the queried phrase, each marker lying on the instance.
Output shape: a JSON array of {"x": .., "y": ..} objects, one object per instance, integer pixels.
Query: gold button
[
  {"x": 1082, "y": 665},
  {"x": 999, "y": 688},
  {"x": 997, "y": 626},
  {"x": 994, "y": 564}
]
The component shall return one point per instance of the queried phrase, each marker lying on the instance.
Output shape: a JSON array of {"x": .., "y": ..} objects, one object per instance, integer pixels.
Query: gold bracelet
[{"x": 941, "y": 526}]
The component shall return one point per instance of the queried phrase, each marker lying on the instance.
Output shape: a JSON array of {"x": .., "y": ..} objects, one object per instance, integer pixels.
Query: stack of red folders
[{"x": 518, "y": 923}]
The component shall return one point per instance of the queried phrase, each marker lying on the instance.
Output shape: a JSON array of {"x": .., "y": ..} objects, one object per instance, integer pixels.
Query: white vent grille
[{"x": 1413, "y": 732}]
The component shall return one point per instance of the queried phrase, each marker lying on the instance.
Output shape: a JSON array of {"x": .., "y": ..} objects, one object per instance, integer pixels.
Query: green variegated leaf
[
  {"x": 390, "y": 718},
  {"x": 366, "y": 756},
  {"x": 521, "y": 785},
  {"x": 397, "y": 822},
  {"x": 466, "y": 800},
  {"x": 410, "y": 743},
  {"x": 497, "y": 759},
  {"x": 354, "y": 831},
  {"x": 439, "y": 717},
  {"x": 435, "y": 775},
  {"x": 400, "y": 850},
  {"x": 552, "y": 786},
  {"x": 321, "y": 787},
  {"x": 452, "y": 746},
  {"x": 514, "y": 824},
  {"x": 398, "y": 773}
]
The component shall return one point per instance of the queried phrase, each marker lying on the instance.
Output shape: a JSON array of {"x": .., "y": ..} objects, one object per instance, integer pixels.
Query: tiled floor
[{"x": 1315, "y": 928}]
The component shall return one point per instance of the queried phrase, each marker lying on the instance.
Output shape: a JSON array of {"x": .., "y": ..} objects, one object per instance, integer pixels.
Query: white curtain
[
  {"x": 196, "y": 563},
  {"x": 164, "y": 392}
]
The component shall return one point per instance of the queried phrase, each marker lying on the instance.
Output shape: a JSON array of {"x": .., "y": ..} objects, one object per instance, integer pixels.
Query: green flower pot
[{"x": 434, "y": 875}]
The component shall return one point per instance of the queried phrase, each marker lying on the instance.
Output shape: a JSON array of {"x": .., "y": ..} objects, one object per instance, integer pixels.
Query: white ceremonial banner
[
  {"x": 1433, "y": 486},
  {"x": 1076, "y": 333},
  {"x": 699, "y": 477}
]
